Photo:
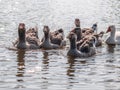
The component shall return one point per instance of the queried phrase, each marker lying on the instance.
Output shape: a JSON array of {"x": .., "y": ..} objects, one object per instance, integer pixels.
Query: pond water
[{"x": 52, "y": 69}]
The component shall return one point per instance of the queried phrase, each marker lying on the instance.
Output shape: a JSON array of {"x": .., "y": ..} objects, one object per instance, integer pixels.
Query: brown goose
[
  {"x": 81, "y": 33},
  {"x": 85, "y": 49},
  {"x": 33, "y": 32},
  {"x": 31, "y": 37},
  {"x": 22, "y": 43},
  {"x": 46, "y": 44},
  {"x": 57, "y": 37}
]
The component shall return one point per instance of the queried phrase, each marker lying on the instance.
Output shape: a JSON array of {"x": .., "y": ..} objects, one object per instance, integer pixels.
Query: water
[{"x": 53, "y": 70}]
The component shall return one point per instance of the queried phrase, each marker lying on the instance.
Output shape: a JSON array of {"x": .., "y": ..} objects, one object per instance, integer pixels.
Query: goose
[
  {"x": 73, "y": 52},
  {"x": 85, "y": 50},
  {"x": 81, "y": 33},
  {"x": 114, "y": 37},
  {"x": 46, "y": 43},
  {"x": 31, "y": 37},
  {"x": 22, "y": 43},
  {"x": 92, "y": 29},
  {"x": 57, "y": 37}
]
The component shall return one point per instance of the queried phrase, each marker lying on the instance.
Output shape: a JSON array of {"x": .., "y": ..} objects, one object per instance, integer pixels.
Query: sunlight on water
[{"x": 52, "y": 70}]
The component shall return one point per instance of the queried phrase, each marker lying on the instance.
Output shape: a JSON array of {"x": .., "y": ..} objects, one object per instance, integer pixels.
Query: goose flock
[{"x": 83, "y": 42}]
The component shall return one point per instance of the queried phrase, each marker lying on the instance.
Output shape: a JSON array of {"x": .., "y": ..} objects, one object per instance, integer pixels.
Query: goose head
[
  {"x": 72, "y": 36},
  {"x": 94, "y": 27},
  {"x": 46, "y": 29},
  {"x": 77, "y": 22},
  {"x": 111, "y": 28}
]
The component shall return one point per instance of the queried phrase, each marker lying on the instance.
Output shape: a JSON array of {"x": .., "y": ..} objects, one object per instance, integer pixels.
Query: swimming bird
[
  {"x": 81, "y": 33},
  {"x": 22, "y": 43},
  {"x": 87, "y": 32},
  {"x": 85, "y": 50},
  {"x": 32, "y": 36},
  {"x": 114, "y": 37},
  {"x": 46, "y": 43},
  {"x": 57, "y": 37}
]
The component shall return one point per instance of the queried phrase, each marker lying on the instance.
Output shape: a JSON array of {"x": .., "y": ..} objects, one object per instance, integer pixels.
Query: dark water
[{"x": 53, "y": 70}]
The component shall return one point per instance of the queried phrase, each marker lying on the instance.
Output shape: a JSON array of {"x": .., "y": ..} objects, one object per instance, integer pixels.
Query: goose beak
[{"x": 108, "y": 30}]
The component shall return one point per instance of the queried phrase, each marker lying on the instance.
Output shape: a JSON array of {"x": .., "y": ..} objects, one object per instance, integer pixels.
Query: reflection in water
[
  {"x": 110, "y": 48},
  {"x": 45, "y": 61},
  {"x": 45, "y": 55},
  {"x": 21, "y": 65},
  {"x": 45, "y": 69},
  {"x": 70, "y": 72}
]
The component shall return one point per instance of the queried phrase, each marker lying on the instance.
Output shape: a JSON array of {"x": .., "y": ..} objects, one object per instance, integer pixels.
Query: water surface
[{"x": 52, "y": 70}]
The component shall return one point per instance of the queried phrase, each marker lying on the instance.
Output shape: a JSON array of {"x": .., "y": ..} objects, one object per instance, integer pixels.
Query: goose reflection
[
  {"x": 45, "y": 70},
  {"x": 110, "y": 48},
  {"x": 70, "y": 72},
  {"x": 21, "y": 67},
  {"x": 45, "y": 55},
  {"x": 45, "y": 61}
]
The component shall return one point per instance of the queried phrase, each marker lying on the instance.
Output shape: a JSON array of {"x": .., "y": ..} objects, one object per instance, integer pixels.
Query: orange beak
[{"x": 108, "y": 30}]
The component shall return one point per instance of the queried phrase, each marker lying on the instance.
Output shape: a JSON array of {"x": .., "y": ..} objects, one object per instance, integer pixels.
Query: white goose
[{"x": 114, "y": 37}]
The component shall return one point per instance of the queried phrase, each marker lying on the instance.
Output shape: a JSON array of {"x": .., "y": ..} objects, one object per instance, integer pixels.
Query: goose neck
[{"x": 73, "y": 44}]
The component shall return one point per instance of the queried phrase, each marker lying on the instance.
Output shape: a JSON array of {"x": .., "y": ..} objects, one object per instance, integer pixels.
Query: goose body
[
  {"x": 84, "y": 51},
  {"x": 22, "y": 43},
  {"x": 31, "y": 37},
  {"x": 82, "y": 33},
  {"x": 46, "y": 43}
]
